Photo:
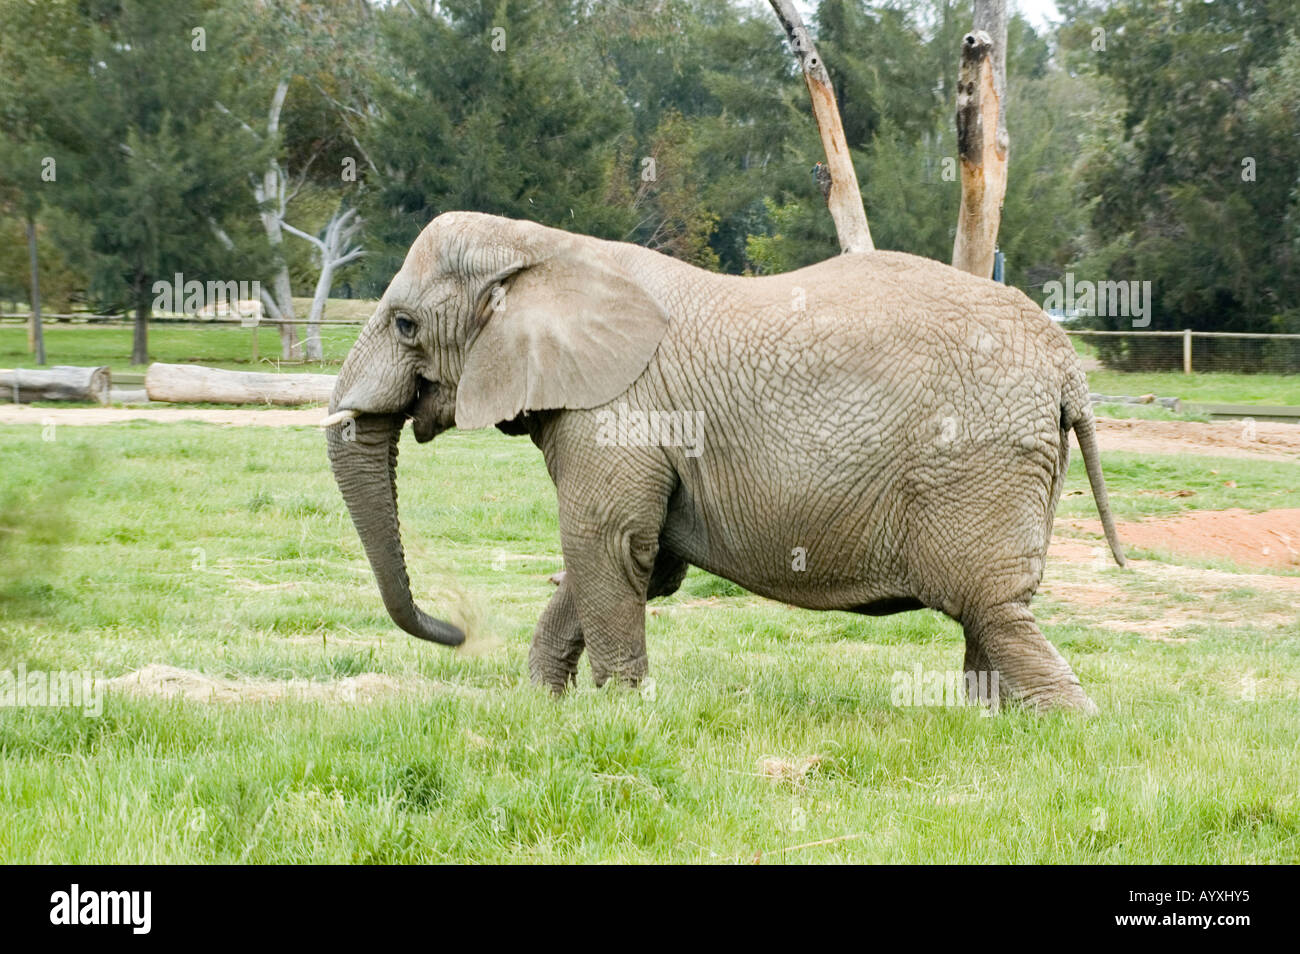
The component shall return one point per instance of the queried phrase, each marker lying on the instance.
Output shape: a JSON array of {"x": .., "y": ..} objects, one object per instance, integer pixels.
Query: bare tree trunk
[
  {"x": 35, "y": 333},
  {"x": 335, "y": 250},
  {"x": 272, "y": 191},
  {"x": 843, "y": 197},
  {"x": 982, "y": 141},
  {"x": 140, "y": 337},
  {"x": 289, "y": 349},
  {"x": 325, "y": 281},
  {"x": 281, "y": 289},
  {"x": 272, "y": 199}
]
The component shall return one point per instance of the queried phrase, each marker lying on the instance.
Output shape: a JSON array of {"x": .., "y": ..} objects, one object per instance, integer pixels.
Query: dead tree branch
[{"x": 843, "y": 199}]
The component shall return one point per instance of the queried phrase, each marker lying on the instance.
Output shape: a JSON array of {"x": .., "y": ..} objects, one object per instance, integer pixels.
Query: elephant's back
[{"x": 886, "y": 333}]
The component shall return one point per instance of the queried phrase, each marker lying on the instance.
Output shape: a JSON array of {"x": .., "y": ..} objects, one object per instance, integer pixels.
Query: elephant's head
[{"x": 488, "y": 318}]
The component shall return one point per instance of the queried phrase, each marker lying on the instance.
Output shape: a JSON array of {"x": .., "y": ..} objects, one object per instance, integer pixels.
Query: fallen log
[
  {"x": 195, "y": 384},
  {"x": 63, "y": 382}
]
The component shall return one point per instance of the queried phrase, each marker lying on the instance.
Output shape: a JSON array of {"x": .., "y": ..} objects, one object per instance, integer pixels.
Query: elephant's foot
[
  {"x": 1005, "y": 643},
  {"x": 626, "y": 671},
  {"x": 553, "y": 675}
]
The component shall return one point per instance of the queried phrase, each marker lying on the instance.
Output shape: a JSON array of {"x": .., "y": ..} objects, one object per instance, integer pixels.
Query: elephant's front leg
[
  {"x": 557, "y": 641},
  {"x": 612, "y": 561},
  {"x": 610, "y": 567},
  {"x": 612, "y": 502}
]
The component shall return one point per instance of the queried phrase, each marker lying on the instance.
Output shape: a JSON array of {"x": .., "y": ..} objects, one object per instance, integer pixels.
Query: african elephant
[{"x": 875, "y": 433}]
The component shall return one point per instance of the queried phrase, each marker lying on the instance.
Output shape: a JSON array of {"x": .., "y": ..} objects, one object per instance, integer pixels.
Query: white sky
[{"x": 1037, "y": 12}]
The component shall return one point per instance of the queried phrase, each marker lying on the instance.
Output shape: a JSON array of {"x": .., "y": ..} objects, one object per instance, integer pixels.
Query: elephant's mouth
[{"x": 430, "y": 412}]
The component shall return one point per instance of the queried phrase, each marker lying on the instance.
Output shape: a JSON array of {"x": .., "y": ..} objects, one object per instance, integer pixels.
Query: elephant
[{"x": 875, "y": 433}]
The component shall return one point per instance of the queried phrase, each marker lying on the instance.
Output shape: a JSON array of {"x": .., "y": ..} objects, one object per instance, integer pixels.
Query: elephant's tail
[{"x": 1085, "y": 429}]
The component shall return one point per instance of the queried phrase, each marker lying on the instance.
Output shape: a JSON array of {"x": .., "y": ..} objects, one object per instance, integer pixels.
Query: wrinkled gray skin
[{"x": 901, "y": 424}]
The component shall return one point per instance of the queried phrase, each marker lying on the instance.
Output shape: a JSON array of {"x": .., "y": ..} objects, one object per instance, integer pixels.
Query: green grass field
[
  {"x": 1141, "y": 485},
  {"x": 219, "y": 346},
  {"x": 1212, "y": 387},
  {"x": 228, "y": 552}
]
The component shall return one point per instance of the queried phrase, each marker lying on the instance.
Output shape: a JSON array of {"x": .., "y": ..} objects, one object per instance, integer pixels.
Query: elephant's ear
[{"x": 571, "y": 330}]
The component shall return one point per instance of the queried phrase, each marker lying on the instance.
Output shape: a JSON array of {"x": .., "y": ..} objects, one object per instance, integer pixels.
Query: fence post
[{"x": 1187, "y": 351}]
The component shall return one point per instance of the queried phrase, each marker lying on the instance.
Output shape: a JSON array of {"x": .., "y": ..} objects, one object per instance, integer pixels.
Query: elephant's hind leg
[
  {"x": 557, "y": 642},
  {"x": 1005, "y": 639}
]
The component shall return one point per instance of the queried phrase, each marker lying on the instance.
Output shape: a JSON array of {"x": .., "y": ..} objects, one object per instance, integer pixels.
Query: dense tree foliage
[
  {"x": 143, "y": 169},
  {"x": 1193, "y": 176},
  {"x": 1152, "y": 140}
]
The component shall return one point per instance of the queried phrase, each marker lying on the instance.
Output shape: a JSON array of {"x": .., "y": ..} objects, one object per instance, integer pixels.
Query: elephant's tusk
[{"x": 338, "y": 417}]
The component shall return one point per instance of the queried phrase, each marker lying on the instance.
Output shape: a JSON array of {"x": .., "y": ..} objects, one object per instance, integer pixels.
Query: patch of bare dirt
[
  {"x": 1263, "y": 440},
  {"x": 1269, "y": 539},
  {"x": 1219, "y": 581},
  {"x": 1158, "y": 628},
  {"x": 1090, "y": 593},
  {"x": 160, "y": 681},
  {"x": 1166, "y": 602}
]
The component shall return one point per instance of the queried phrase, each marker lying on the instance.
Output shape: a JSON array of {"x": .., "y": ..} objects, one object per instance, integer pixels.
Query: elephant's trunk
[{"x": 363, "y": 455}]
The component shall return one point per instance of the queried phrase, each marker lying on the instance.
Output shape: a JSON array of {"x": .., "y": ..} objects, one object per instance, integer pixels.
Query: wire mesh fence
[{"x": 1190, "y": 351}]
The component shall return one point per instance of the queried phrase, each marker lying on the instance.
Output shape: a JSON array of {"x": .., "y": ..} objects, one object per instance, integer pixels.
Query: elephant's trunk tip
[{"x": 433, "y": 629}]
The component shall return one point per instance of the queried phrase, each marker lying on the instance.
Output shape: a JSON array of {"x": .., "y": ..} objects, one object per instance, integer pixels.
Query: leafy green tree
[
  {"x": 32, "y": 39},
  {"x": 147, "y": 174},
  {"x": 488, "y": 106},
  {"x": 1043, "y": 219},
  {"x": 1194, "y": 178},
  {"x": 1275, "y": 117},
  {"x": 754, "y": 132},
  {"x": 666, "y": 195},
  {"x": 880, "y": 69}
]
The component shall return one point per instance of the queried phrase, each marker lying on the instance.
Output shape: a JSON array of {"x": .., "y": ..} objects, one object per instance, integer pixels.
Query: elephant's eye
[{"x": 405, "y": 326}]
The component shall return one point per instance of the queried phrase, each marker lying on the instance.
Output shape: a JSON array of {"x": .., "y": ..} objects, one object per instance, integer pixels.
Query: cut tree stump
[
  {"x": 195, "y": 384},
  {"x": 62, "y": 382},
  {"x": 982, "y": 140}
]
